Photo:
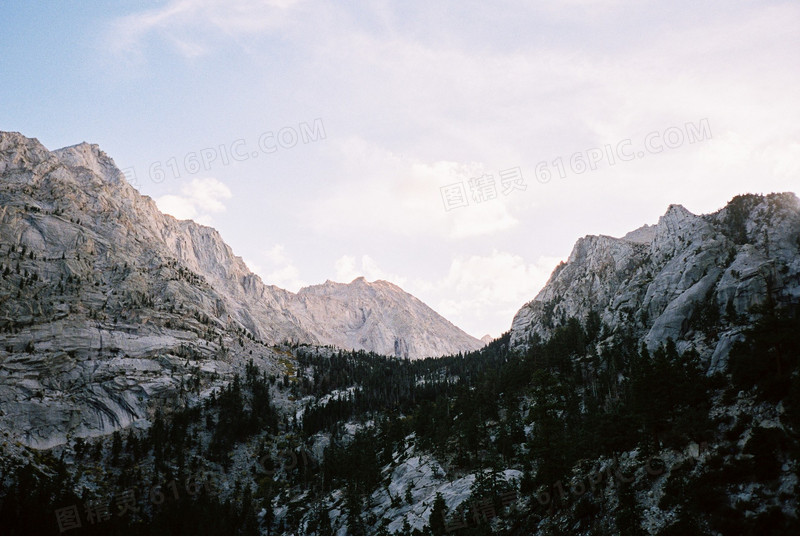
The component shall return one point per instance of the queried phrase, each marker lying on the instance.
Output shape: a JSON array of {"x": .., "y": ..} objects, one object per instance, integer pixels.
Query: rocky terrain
[
  {"x": 690, "y": 278},
  {"x": 107, "y": 305},
  {"x": 355, "y": 316}
]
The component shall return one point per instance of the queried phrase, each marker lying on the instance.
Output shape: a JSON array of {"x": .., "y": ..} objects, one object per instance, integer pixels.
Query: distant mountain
[
  {"x": 106, "y": 303},
  {"x": 694, "y": 279},
  {"x": 379, "y": 317}
]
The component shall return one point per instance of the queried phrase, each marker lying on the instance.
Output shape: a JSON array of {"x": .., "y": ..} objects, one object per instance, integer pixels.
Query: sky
[{"x": 457, "y": 149}]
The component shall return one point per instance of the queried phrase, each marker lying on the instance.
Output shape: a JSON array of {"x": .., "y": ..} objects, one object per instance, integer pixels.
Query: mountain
[
  {"x": 356, "y": 316},
  {"x": 106, "y": 304},
  {"x": 691, "y": 278}
]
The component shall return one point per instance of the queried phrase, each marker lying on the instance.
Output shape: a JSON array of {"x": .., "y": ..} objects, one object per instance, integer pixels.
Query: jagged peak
[
  {"x": 747, "y": 202},
  {"x": 359, "y": 281},
  {"x": 387, "y": 283},
  {"x": 20, "y": 150},
  {"x": 129, "y": 226},
  {"x": 677, "y": 222},
  {"x": 317, "y": 287},
  {"x": 676, "y": 213},
  {"x": 678, "y": 208},
  {"x": 81, "y": 145},
  {"x": 641, "y": 235},
  {"x": 683, "y": 255},
  {"x": 584, "y": 246},
  {"x": 91, "y": 157},
  {"x": 25, "y": 152},
  {"x": 17, "y": 137}
]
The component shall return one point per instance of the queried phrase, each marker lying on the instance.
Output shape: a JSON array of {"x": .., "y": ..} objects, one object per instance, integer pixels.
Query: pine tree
[
  {"x": 406, "y": 527},
  {"x": 353, "y": 506},
  {"x": 325, "y": 527},
  {"x": 437, "y": 520},
  {"x": 628, "y": 513},
  {"x": 116, "y": 447},
  {"x": 248, "y": 515}
]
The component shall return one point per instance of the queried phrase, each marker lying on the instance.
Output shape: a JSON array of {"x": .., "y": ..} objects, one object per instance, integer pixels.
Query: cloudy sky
[{"x": 457, "y": 149}]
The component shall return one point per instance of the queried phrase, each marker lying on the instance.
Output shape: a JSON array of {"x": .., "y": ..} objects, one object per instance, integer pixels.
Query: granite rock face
[
  {"x": 671, "y": 279},
  {"x": 356, "y": 316},
  {"x": 107, "y": 305}
]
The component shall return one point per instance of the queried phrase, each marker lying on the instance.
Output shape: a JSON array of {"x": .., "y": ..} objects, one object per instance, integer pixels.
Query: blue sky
[{"x": 367, "y": 111}]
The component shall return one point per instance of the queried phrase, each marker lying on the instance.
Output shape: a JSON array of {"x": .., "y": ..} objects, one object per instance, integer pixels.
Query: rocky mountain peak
[
  {"x": 378, "y": 316},
  {"x": 661, "y": 281},
  {"x": 16, "y": 151},
  {"x": 676, "y": 209},
  {"x": 642, "y": 235},
  {"x": 92, "y": 158},
  {"x": 106, "y": 304},
  {"x": 83, "y": 177},
  {"x": 676, "y": 227}
]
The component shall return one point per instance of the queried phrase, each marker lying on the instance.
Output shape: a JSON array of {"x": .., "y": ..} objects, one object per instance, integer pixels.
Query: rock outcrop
[
  {"x": 679, "y": 278},
  {"x": 356, "y": 316}
]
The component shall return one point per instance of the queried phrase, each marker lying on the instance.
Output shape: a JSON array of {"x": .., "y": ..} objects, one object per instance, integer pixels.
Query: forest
[{"x": 550, "y": 413}]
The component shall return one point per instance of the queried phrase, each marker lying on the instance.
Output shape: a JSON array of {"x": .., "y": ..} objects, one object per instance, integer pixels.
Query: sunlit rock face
[
  {"x": 667, "y": 280},
  {"x": 381, "y": 317},
  {"x": 107, "y": 305}
]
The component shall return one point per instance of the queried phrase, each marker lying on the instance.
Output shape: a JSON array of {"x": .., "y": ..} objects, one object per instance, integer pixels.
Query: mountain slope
[
  {"x": 83, "y": 181},
  {"x": 107, "y": 305},
  {"x": 355, "y": 316},
  {"x": 678, "y": 278},
  {"x": 103, "y": 309}
]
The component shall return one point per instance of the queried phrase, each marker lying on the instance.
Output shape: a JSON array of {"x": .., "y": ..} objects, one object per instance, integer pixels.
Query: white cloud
[
  {"x": 191, "y": 26},
  {"x": 276, "y": 267},
  {"x": 277, "y": 255},
  {"x": 180, "y": 207},
  {"x": 481, "y": 293},
  {"x": 345, "y": 268},
  {"x": 286, "y": 277},
  {"x": 538, "y": 102},
  {"x": 198, "y": 200},
  {"x": 403, "y": 196}
]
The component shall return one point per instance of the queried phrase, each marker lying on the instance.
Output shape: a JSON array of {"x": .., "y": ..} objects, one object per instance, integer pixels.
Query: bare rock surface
[
  {"x": 356, "y": 316},
  {"x": 107, "y": 305},
  {"x": 670, "y": 279}
]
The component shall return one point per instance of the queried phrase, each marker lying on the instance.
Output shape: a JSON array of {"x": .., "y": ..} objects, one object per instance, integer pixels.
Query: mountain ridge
[
  {"x": 224, "y": 267},
  {"x": 722, "y": 263},
  {"x": 108, "y": 305}
]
